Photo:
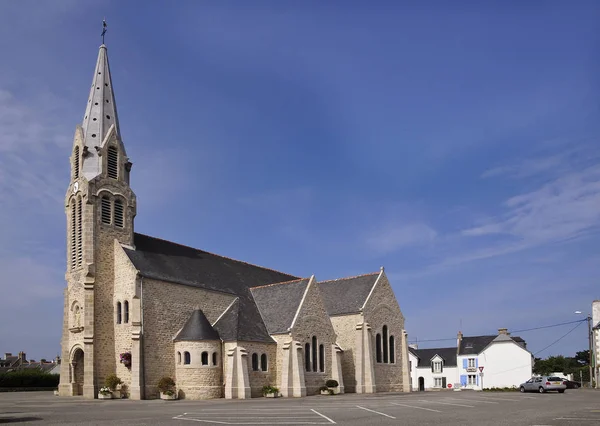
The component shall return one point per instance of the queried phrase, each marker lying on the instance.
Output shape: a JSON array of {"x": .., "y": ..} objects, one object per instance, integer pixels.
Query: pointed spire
[{"x": 101, "y": 111}]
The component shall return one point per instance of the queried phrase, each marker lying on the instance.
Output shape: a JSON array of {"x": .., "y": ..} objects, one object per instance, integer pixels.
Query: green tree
[{"x": 583, "y": 357}]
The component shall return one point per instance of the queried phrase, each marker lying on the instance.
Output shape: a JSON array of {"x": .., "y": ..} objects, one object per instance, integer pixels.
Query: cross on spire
[{"x": 103, "y": 29}]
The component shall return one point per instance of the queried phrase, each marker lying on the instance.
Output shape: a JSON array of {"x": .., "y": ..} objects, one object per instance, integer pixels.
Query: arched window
[
  {"x": 204, "y": 358},
  {"x": 73, "y": 236},
  {"x": 321, "y": 358},
  {"x": 79, "y": 232},
  {"x": 378, "y": 347},
  {"x": 392, "y": 350},
  {"x": 105, "y": 204},
  {"x": 385, "y": 344},
  {"x": 126, "y": 312},
  {"x": 314, "y": 353},
  {"x": 307, "y": 356},
  {"x": 178, "y": 357},
  {"x": 214, "y": 358},
  {"x": 187, "y": 359},
  {"x": 119, "y": 213},
  {"x": 254, "y": 362},
  {"x": 113, "y": 163},
  {"x": 263, "y": 362},
  {"x": 118, "y": 312},
  {"x": 76, "y": 163}
]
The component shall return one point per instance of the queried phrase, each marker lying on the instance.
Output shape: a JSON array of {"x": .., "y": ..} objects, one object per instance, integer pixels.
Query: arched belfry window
[
  {"x": 73, "y": 235},
  {"x": 118, "y": 213},
  {"x": 79, "y": 232},
  {"x": 126, "y": 312},
  {"x": 76, "y": 163},
  {"x": 263, "y": 362},
  {"x": 378, "y": 347},
  {"x": 392, "y": 350},
  {"x": 112, "y": 167},
  {"x": 385, "y": 344},
  {"x": 119, "y": 318},
  {"x": 105, "y": 204}
]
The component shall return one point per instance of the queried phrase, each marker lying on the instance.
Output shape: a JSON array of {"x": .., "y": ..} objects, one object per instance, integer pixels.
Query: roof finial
[{"x": 103, "y": 29}]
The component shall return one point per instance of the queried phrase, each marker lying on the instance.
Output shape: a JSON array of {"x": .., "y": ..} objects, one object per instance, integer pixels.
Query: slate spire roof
[
  {"x": 197, "y": 328},
  {"x": 100, "y": 114}
]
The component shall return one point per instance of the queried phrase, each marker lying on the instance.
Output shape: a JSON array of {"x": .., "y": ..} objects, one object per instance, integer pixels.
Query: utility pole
[{"x": 589, "y": 321}]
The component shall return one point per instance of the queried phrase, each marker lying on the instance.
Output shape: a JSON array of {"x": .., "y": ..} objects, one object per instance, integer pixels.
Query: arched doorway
[
  {"x": 421, "y": 384},
  {"x": 77, "y": 368}
]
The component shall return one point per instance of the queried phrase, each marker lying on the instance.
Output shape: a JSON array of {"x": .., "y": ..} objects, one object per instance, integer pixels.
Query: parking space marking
[
  {"x": 414, "y": 406},
  {"x": 322, "y": 415},
  {"x": 578, "y": 418},
  {"x": 447, "y": 403},
  {"x": 496, "y": 398},
  {"x": 474, "y": 400},
  {"x": 376, "y": 412}
]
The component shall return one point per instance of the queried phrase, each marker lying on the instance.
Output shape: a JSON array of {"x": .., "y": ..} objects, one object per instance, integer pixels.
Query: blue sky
[{"x": 456, "y": 144}]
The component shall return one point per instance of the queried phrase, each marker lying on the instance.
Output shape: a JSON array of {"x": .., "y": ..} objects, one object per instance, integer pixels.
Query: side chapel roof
[{"x": 347, "y": 295}]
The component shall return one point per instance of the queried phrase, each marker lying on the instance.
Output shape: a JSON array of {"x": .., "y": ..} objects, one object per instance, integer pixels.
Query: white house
[
  {"x": 503, "y": 360},
  {"x": 432, "y": 368},
  {"x": 596, "y": 337}
]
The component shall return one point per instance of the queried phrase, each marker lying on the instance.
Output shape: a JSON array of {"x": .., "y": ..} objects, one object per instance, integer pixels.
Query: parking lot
[{"x": 574, "y": 407}]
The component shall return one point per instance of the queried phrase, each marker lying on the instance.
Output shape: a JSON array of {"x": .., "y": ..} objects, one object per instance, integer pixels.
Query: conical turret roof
[{"x": 197, "y": 328}]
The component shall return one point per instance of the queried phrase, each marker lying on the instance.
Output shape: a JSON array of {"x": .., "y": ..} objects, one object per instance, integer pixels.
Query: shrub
[
  {"x": 332, "y": 383},
  {"x": 270, "y": 389},
  {"x": 28, "y": 378},
  {"x": 166, "y": 384},
  {"x": 105, "y": 391},
  {"x": 112, "y": 382}
]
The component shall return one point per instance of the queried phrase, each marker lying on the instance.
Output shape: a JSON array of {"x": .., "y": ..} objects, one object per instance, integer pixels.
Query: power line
[{"x": 560, "y": 338}]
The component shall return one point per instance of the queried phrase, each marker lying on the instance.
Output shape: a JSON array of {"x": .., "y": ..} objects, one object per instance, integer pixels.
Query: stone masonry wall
[
  {"x": 382, "y": 309},
  {"x": 166, "y": 307},
  {"x": 194, "y": 380},
  {"x": 345, "y": 328},
  {"x": 281, "y": 339},
  {"x": 260, "y": 378}
]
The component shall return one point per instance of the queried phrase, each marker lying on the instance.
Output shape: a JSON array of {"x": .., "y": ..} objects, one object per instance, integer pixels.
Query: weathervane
[{"x": 103, "y": 29}]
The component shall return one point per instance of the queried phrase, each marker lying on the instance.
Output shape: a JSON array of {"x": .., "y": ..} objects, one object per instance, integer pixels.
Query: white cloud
[{"x": 393, "y": 237}]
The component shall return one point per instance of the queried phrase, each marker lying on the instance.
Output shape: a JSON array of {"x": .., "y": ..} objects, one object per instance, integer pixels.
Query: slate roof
[
  {"x": 347, "y": 295},
  {"x": 166, "y": 261},
  {"x": 425, "y": 356},
  {"x": 278, "y": 303},
  {"x": 476, "y": 344},
  {"x": 197, "y": 328}
]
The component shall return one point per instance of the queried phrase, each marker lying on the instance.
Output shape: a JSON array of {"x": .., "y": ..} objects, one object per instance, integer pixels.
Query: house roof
[
  {"x": 278, "y": 303},
  {"x": 425, "y": 356},
  {"x": 476, "y": 344},
  {"x": 197, "y": 328},
  {"x": 166, "y": 261},
  {"x": 347, "y": 295}
]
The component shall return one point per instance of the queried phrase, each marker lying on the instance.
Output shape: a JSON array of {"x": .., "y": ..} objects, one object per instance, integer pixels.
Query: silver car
[{"x": 543, "y": 384}]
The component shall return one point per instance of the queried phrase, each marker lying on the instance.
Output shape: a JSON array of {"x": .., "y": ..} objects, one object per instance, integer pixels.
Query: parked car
[
  {"x": 571, "y": 384},
  {"x": 543, "y": 384}
]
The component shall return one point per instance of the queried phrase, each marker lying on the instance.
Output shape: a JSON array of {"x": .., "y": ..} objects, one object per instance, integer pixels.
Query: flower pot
[
  {"x": 105, "y": 396},
  {"x": 168, "y": 397},
  {"x": 271, "y": 395},
  {"x": 334, "y": 391},
  {"x": 325, "y": 392},
  {"x": 56, "y": 392},
  {"x": 116, "y": 394}
]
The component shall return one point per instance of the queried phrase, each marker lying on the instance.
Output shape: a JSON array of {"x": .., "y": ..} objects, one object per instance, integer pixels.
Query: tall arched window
[
  {"x": 113, "y": 163},
  {"x": 307, "y": 356},
  {"x": 214, "y": 358},
  {"x": 76, "y": 163},
  {"x": 73, "y": 235},
  {"x": 178, "y": 357},
  {"x": 79, "y": 233},
  {"x": 321, "y": 358},
  {"x": 254, "y": 362},
  {"x": 105, "y": 214},
  {"x": 118, "y": 213},
  {"x": 118, "y": 312},
  {"x": 385, "y": 344},
  {"x": 263, "y": 362},
  {"x": 378, "y": 347},
  {"x": 392, "y": 350},
  {"x": 187, "y": 359},
  {"x": 204, "y": 358},
  {"x": 314, "y": 353},
  {"x": 126, "y": 312}
]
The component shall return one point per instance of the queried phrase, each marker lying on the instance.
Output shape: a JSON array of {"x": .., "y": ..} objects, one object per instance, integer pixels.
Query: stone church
[{"x": 144, "y": 308}]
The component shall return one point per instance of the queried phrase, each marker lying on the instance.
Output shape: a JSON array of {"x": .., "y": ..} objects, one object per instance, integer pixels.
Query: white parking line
[
  {"x": 473, "y": 400},
  {"x": 376, "y": 412},
  {"x": 414, "y": 406},
  {"x": 447, "y": 403},
  {"x": 578, "y": 418},
  {"x": 496, "y": 399},
  {"x": 322, "y": 415}
]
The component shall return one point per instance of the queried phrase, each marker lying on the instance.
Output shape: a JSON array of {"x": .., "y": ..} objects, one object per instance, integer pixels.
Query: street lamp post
[{"x": 589, "y": 321}]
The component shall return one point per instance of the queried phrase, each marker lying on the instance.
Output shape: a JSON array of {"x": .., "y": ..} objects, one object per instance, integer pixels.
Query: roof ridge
[
  {"x": 349, "y": 278},
  {"x": 279, "y": 283},
  {"x": 214, "y": 254}
]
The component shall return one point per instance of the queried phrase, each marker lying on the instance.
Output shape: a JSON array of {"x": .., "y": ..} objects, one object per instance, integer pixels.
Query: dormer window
[
  {"x": 113, "y": 163},
  {"x": 436, "y": 366}
]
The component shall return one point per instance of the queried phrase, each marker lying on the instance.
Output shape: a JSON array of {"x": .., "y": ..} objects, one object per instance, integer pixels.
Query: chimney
[
  {"x": 7, "y": 354},
  {"x": 22, "y": 356},
  {"x": 414, "y": 346},
  {"x": 503, "y": 331}
]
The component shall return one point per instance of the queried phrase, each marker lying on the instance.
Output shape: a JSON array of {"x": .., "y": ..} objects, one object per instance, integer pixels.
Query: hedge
[{"x": 28, "y": 378}]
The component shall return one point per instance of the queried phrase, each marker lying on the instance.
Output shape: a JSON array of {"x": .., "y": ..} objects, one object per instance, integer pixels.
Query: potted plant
[
  {"x": 105, "y": 393},
  {"x": 113, "y": 383},
  {"x": 325, "y": 390},
  {"x": 332, "y": 386},
  {"x": 166, "y": 387},
  {"x": 270, "y": 391},
  {"x": 56, "y": 392},
  {"x": 125, "y": 359}
]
